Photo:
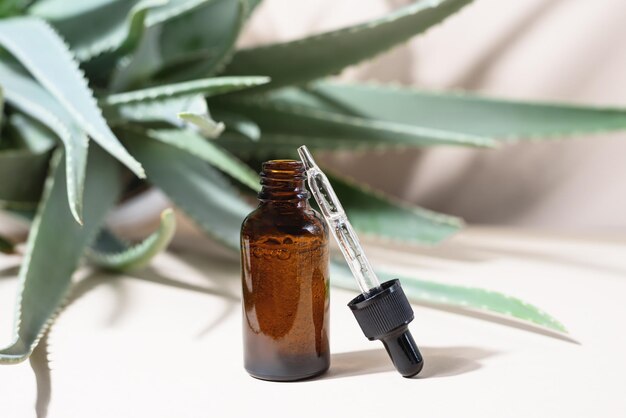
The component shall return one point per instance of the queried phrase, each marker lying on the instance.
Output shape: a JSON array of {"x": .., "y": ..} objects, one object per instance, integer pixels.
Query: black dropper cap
[{"x": 384, "y": 314}]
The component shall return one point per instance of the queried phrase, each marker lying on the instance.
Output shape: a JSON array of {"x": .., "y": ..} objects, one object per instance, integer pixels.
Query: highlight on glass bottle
[{"x": 285, "y": 279}]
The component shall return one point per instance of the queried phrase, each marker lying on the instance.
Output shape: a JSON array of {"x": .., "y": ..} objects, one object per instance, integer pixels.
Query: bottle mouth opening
[{"x": 283, "y": 170}]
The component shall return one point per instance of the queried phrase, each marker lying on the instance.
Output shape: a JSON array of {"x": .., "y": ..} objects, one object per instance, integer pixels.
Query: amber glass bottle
[{"x": 284, "y": 261}]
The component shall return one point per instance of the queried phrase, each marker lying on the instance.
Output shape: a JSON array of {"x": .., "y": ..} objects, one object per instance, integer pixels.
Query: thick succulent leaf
[
  {"x": 286, "y": 123},
  {"x": 28, "y": 96},
  {"x": 48, "y": 59},
  {"x": 6, "y": 246},
  {"x": 23, "y": 170},
  {"x": 194, "y": 186},
  {"x": 466, "y": 298},
  {"x": 204, "y": 123},
  {"x": 373, "y": 213},
  {"x": 467, "y": 113},
  {"x": 183, "y": 43},
  {"x": 239, "y": 124},
  {"x": 100, "y": 27},
  {"x": 198, "y": 146},
  {"x": 203, "y": 40},
  {"x": 164, "y": 110},
  {"x": 135, "y": 256},
  {"x": 310, "y": 58},
  {"x": 46, "y": 271},
  {"x": 207, "y": 86}
]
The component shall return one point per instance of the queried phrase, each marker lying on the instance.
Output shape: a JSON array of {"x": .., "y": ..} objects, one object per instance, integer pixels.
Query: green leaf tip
[
  {"x": 207, "y": 126},
  {"x": 375, "y": 214},
  {"x": 433, "y": 294},
  {"x": 139, "y": 255}
]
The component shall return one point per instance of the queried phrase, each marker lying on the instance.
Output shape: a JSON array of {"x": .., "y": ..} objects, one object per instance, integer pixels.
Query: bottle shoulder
[{"x": 263, "y": 221}]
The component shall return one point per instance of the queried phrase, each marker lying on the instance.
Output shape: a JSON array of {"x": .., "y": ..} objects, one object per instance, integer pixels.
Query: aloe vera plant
[{"x": 157, "y": 90}]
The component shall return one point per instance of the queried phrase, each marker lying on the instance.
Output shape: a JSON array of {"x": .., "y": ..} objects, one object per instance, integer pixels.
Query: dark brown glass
[{"x": 284, "y": 259}]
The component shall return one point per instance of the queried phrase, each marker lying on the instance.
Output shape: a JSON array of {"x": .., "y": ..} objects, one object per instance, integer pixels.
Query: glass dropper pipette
[
  {"x": 339, "y": 225},
  {"x": 382, "y": 310}
]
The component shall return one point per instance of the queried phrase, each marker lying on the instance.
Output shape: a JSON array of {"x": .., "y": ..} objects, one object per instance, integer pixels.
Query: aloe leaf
[
  {"x": 206, "y": 150},
  {"x": 103, "y": 27},
  {"x": 6, "y": 246},
  {"x": 183, "y": 43},
  {"x": 207, "y": 86},
  {"x": 23, "y": 170},
  {"x": 28, "y": 96},
  {"x": 46, "y": 271},
  {"x": 139, "y": 255},
  {"x": 203, "y": 40},
  {"x": 239, "y": 124},
  {"x": 194, "y": 186},
  {"x": 468, "y": 113},
  {"x": 286, "y": 123},
  {"x": 164, "y": 110},
  {"x": 303, "y": 60},
  {"x": 207, "y": 126},
  {"x": 467, "y": 298},
  {"x": 48, "y": 59},
  {"x": 375, "y": 214}
]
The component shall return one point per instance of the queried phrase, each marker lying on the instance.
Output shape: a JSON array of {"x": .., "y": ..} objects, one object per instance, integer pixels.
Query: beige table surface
[{"x": 166, "y": 342}]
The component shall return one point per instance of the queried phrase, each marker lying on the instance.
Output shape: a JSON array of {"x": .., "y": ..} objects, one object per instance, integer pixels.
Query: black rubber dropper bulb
[{"x": 384, "y": 314}]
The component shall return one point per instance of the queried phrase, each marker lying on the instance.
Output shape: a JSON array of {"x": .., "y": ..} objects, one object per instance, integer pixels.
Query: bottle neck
[{"x": 283, "y": 185}]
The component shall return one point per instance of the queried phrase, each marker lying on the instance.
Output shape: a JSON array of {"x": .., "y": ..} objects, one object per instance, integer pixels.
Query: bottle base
[{"x": 286, "y": 378}]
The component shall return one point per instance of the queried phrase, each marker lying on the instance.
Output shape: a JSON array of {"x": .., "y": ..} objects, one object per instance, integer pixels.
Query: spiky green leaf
[
  {"x": 470, "y": 298},
  {"x": 317, "y": 56},
  {"x": 183, "y": 44},
  {"x": 198, "y": 146},
  {"x": 287, "y": 121},
  {"x": 194, "y": 186},
  {"x": 207, "y": 86},
  {"x": 375, "y": 214},
  {"x": 98, "y": 27},
  {"x": 36, "y": 46},
  {"x": 468, "y": 113},
  {"x": 133, "y": 257},
  {"x": 164, "y": 110},
  {"x": 28, "y": 96},
  {"x": 55, "y": 245}
]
